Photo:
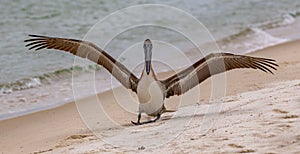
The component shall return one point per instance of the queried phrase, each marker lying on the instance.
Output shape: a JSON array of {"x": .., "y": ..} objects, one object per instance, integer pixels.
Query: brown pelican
[{"x": 150, "y": 91}]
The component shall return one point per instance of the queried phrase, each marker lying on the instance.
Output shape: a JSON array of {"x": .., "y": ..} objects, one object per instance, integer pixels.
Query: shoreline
[{"x": 43, "y": 130}]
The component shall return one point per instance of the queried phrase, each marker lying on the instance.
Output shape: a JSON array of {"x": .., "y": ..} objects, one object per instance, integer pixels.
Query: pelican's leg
[{"x": 138, "y": 121}]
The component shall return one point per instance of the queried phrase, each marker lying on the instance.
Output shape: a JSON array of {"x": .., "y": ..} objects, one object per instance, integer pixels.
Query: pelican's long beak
[
  {"x": 148, "y": 55},
  {"x": 148, "y": 65}
]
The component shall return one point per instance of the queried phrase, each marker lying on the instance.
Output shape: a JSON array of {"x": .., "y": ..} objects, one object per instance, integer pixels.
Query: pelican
[{"x": 152, "y": 92}]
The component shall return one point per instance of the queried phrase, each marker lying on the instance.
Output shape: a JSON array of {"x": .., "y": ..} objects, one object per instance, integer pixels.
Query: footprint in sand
[
  {"x": 285, "y": 112},
  {"x": 247, "y": 151},
  {"x": 235, "y": 145},
  {"x": 284, "y": 126},
  {"x": 290, "y": 116},
  {"x": 73, "y": 139},
  {"x": 42, "y": 151},
  {"x": 78, "y": 136},
  {"x": 280, "y": 111}
]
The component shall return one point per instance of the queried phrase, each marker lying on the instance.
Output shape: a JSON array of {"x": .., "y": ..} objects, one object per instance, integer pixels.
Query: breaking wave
[
  {"x": 249, "y": 40},
  {"x": 47, "y": 78},
  {"x": 255, "y": 37}
]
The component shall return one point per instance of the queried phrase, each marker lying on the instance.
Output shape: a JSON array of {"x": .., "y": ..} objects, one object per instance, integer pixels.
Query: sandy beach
[{"x": 260, "y": 114}]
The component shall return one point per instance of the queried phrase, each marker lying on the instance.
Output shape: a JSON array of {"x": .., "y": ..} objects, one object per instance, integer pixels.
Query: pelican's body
[
  {"x": 150, "y": 91},
  {"x": 150, "y": 95}
]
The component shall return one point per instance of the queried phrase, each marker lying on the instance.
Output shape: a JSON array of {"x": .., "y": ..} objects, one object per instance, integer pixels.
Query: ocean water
[{"x": 32, "y": 81}]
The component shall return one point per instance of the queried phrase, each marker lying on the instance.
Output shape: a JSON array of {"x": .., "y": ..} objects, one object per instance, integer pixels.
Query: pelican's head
[{"x": 148, "y": 55}]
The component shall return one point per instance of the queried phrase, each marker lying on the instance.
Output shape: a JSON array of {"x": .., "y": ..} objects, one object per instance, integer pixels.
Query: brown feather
[
  {"x": 84, "y": 49},
  {"x": 210, "y": 65}
]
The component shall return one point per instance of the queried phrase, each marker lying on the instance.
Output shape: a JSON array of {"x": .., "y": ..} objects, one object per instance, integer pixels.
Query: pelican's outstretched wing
[
  {"x": 210, "y": 65},
  {"x": 87, "y": 50}
]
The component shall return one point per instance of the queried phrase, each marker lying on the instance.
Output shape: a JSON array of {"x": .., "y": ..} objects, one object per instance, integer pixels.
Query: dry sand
[{"x": 260, "y": 113}]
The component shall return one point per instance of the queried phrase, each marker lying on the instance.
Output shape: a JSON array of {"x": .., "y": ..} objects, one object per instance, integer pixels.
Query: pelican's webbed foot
[
  {"x": 136, "y": 123},
  {"x": 146, "y": 122}
]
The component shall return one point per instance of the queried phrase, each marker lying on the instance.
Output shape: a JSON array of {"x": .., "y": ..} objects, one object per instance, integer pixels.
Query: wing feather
[
  {"x": 210, "y": 65},
  {"x": 87, "y": 50}
]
